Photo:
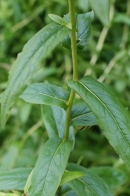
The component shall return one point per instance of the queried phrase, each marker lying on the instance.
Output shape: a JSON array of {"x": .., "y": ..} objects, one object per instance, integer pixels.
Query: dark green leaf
[
  {"x": 14, "y": 179},
  {"x": 113, "y": 177},
  {"x": 54, "y": 120},
  {"x": 70, "y": 175},
  {"x": 67, "y": 191},
  {"x": 90, "y": 184},
  {"x": 101, "y": 9},
  {"x": 27, "y": 63},
  {"x": 83, "y": 24},
  {"x": 112, "y": 117},
  {"x": 42, "y": 93},
  {"x": 50, "y": 167},
  {"x": 81, "y": 115}
]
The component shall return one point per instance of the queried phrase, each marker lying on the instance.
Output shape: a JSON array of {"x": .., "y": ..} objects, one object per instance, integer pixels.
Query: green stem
[{"x": 75, "y": 66}]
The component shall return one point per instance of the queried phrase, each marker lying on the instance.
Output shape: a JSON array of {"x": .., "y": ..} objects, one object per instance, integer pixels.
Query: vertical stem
[
  {"x": 73, "y": 38},
  {"x": 75, "y": 66}
]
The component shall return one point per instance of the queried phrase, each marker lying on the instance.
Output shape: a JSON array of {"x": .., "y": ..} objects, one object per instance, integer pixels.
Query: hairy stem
[{"x": 75, "y": 66}]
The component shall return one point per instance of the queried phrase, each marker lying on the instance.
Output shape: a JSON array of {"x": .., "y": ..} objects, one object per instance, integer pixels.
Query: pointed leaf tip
[{"x": 112, "y": 117}]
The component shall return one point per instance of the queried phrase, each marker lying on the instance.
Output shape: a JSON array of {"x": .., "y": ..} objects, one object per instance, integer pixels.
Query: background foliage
[{"x": 106, "y": 60}]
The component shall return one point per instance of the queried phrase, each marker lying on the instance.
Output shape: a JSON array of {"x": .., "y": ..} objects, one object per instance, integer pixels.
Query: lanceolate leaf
[
  {"x": 101, "y": 9},
  {"x": 81, "y": 115},
  {"x": 90, "y": 184},
  {"x": 54, "y": 120},
  {"x": 42, "y": 93},
  {"x": 112, "y": 117},
  {"x": 50, "y": 167},
  {"x": 24, "y": 68},
  {"x": 14, "y": 179}
]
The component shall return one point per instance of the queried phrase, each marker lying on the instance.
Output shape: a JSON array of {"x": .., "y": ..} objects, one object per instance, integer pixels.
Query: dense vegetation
[{"x": 106, "y": 58}]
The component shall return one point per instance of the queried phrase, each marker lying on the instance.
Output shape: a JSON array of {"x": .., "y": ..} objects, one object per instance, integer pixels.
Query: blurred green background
[{"x": 107, "y": 58}]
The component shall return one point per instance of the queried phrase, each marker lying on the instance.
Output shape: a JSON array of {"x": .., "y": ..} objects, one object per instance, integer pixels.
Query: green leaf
[
  {"x": 8, "y": 194},
  {"x": 50, "y": 167},
  {"x": 83, "y": 5},
  {"x": 83, "y": 24},
  {"x": 0, "y": 98},
  {"x": 42, "y": 93},
  {"x": 13, "y": 179},
  {"x": 81, "y": 115},
  {"x": 9, "y": 158},
  {"x": 90, "y": 184},
  {"x": 60, "y": 20},
  {"x": 113, "y": 177},
  {"x": 28, "y": 182},
  {"x": 112, "y": 117},
  {"x": 67, "y": 191},
  {"x": 101, "y": 9},
  {"x": 28, "y": 61},
  {"x": 54, "y": 120},
  {"x": 122, "y": 18},
  {"x": 70, "y": 175}
]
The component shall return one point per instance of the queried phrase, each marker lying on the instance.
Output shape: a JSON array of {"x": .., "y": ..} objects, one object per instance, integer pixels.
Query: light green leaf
[
  {"x": 43, "y": 93},
  {"x": 83, "y": 5},
  {"x": 60, "y": 20},
  {"x": 50, "y": 167},
  {"x": 28, "y": 61},
  {"x": 70, "y": 175},
  {"x": 0, "y": 98},
  {"x": 83, "y": 24},
  {"x": 122, "y": 18},
  {"x": 81, "y": 115},
  {"x": 54, "y": 120},
  {"x": 112, "y": 117},
  {"x": 14, "y": 179},
  {"x": 8, "y": 194},
  {"x": 9, "y": 158},
  {"x": 101, "y": 9},
  {"x": 28, "y": 182},
  {"x": 90, "y": 184}
]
